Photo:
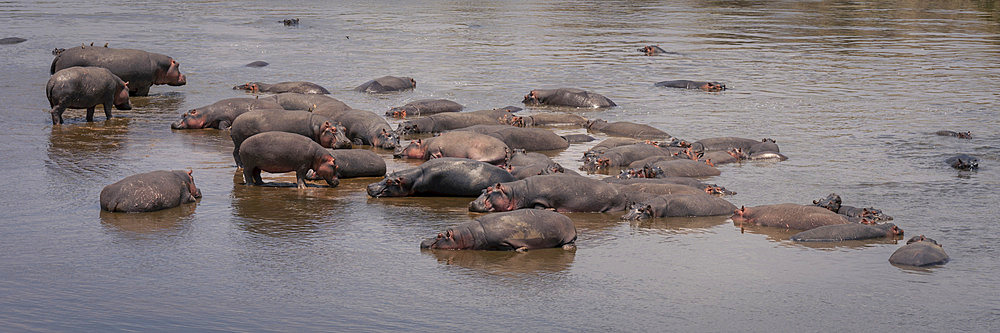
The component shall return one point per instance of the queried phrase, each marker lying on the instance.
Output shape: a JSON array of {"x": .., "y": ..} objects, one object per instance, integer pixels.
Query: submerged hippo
[
  {"x": 687, "y": 84},
  {"x": 317, "y": 103},
  {"x": 544, "y": 119},
  {"x": 139, "y": 68},
  {"x": 455, "y": 177},
  {"x": 675, "y": 205},
  {"x": 151, "y": 191},
  {"x": 301, "y": 87},
  {"x": 571, "y": 97},
  {"x": 11, "y": 40},
  {"x": 387, "y": 84},
  {"x": 531, "y": 139},
  {"x": 963, "y": 162},
  {"x": 257, "y": 64},
  {"x": 278, "y": 152},
  {"x": 919, "y": 251},
  {"x": 561, "y": 192},
  {"x": 960, "y": 135},
  {"x": 471, "y": 145},
  {"x": 627, "y": 129},
  {"x": 85, "y": 88},
  {"x": 221, "y": 114},
  {"x": 654, "y": 50},
  {"x": 316, "y": 127},
  {"x": 845, "y": 232},
  {"x": 789, "y": 216},
  {"x": 424, "y": 107},
  {"x": 520, "y": 230}
]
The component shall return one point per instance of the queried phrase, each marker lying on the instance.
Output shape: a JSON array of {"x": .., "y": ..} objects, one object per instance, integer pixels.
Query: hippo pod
[
  {"x": 85, "y": 88},
  {"x": 687, "y": 84},
  {"x": 518, "y": 230},
  {"x": 471, "y": 145},
  {"x": 960, "y": 135},
  {"x": 919, "y": 251},
  {"x": 845, "y": 232},
  {"x": 561, "y": 192},
  {"x": 789, "y": 216},
  {"x": 627, "y": 129},
  {"x": 139, "y": 68},
  {"x": 278, "y": 152},
  {"x": 220, "y": 115},
  {"x": 963, "y": 162},
  {"x": 570, "y": 97},
  {"x": 677, "y": 205},
  {"x": 301, "y": 87},
  {"x": 387, "y": 84},
  {"x": 454, "y": 120},
  {"x": 151, "y": 191},
  {"x": 446, "y": 176},
  {"x": 530, "y": 139},
  {"x": 424, "y": 107},
  {"x": 313, "y": 126}
]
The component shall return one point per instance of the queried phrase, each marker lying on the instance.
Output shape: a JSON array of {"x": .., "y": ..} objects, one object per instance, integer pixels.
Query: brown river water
[{"x": 851, "y": 90}]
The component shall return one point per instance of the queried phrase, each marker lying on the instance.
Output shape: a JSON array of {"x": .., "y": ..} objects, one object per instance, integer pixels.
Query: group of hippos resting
[{"x": 491, "y": 155}]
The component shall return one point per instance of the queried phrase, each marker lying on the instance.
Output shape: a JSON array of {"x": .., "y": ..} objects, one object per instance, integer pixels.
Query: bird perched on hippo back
[
  {"x": 570, "y": 97},
  {"x": 919, "y": 251},
  {"x": 519, "y": 230},
  {"x": 139, "y": 68}
]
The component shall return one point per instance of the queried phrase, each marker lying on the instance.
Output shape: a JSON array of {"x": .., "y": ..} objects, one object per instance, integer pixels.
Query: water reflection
[
  {"x": 281, "y": 211},
  {"x": 176, "y": 218},
  {"x": 87, "y": 149},
  {"x": 508, "y": 262}
]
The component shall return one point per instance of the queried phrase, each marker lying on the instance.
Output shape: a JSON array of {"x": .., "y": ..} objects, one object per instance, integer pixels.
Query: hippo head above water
[
  {"x": 172, "y": 76},
  {"x": 712, "y": 86},
  {"x": 191, "y": 120},
  {"x": 386, "y": 140},
  {"x": 638, "y": 211},
  {"x": 495, "y": 198},
  {"x": 390, "y": 187},
  {"x": 415, "y": 150},
  {"x": 831, "y": 202}
]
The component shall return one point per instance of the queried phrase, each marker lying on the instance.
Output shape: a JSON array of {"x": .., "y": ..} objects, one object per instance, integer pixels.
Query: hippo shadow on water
[
  {"x": 782, "y": 236},
  {"x": 538, "y": 261},
  {"x": 280, "y": 212},
  {"x": 174, "y": 219}
]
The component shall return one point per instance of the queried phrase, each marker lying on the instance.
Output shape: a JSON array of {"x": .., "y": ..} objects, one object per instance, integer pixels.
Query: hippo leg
[
  {"x": 90, "y": 114},
  {"x": 236, "y": 156},
  {"x": 251, "y": 176},
  {"x": 300, "y": 179},
  {"x": 107, "y": 110}
]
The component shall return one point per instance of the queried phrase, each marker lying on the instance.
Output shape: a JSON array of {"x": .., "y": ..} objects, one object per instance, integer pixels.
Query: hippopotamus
[
  {"x": 139, "y": 68},
  {"x": 316, "y": 127},
  {"x": 523, "y": 164},
  {"x": 293, "y": 22},
  {"x": 278, "y": 152},
  {"x": 963, "y": 162},
  {"x": 654, "y": 50},
  {"x": 684, "y": 168},
  {"x": 960, "y": 135},
  {"x": 789, "y": 216},
  {"x": 723, "y": 144},
  {"x": 387, "y": 84},
  {"x": 471, "y": 145},
  {"x": 519, "y": 230},
  {"x": 640, "y": 164},
  {"x": 11, "y": 40},
  {"x": 846, "y": 232},
  {"x": 447, "y": 176},
  {"x": 676, "y": 205},
  {"x": 352, "y": 163},
  {"x": 712, "y": 189},
  {"x": 221, "y": 114},
  {"x": 661, "y": 189},
  {"x": 544, "y": 119},
  {"x": 257, "y": 64},
  {"x": 919, "y": 251},
  {"x": 424, "y": 107},
  {"x": 561, "y": 192},
  {"x": 366, "y": 128},
  {"x": 453, "y": 120},
  {"x": 85, "y": 88},
  {"x": 622, "y": 155},
  {"x": 866, "y": 215},
  {"x": 301, "y": 87},
  {"x": 319, "y": 104},
  {"x": 151, "y": 191},
  {"x": 577, "y": 138},
  {"x": 627, "y": 129},
  {"x": 687, "y": 84},
  {"x": 717, "y": 157},
  {"x": 531, "y": 139},
  {"x": 571, "y": 97}
]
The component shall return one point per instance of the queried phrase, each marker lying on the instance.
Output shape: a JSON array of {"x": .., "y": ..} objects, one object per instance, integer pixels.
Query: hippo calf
[
  {"x": 919, "y": 251},
  {"x": 313, "y": 126},
  {"x": 571, "y": 97},
  {"x": 387, "y": 84},
  {"x": 471, "y": 145},
  {"x": 221, "y": 114},
  {"x": 963, "y": 162},
  {"x": 676, "y": 205},
  {"x": 960, "y": 135},
  {"x": 85, "y": 88},
  {"x": 520, "y": 230},
  {"x": 789, "y": 216},
  {"x": 139, "y": 68},
  {"x": 301, "y": 87},
  {"x": 561, "y": 192},
  {"x": 278, "y": 152},
  {"x": 845, "y": 232},
  {"x": 687, "y": 84},
  {"x": 151, "y": 191},
  {"x": 424, "y": 107},
  {"x": 457, "y": 177}
]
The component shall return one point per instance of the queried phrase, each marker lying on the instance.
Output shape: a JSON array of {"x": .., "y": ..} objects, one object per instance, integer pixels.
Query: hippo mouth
[{"x": 178, "y": 125}]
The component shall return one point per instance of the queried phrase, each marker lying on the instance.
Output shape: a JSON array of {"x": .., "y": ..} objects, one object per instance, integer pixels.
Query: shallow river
[{"x": 851, "y": 91}]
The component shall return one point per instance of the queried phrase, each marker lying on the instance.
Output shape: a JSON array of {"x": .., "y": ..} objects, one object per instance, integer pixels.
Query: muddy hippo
[
  {"x": 571, "y": 97},
  {"x": 960, "y": 135},
  {"x": 319, "y": 104},
  {"x": 301, "y": 87},
  {"x": 544, "y": 119},
  {"x": 316, "y": 127},
  {"x": 151, "y": 191},
  {"x": 85, "y": 88},
  {"x": 686, "y": 84},
  {"x": 676, "y": 205},
  {"x": 221, "y": 114},
  {"x": 520, "y": 230},
  {"x": 366, "y": 128},
  {"x": 447, "y": 176},
  {"x": 257, "y": 64},
  {"x": 919, "y": 251},
  {"x": 278, "y": 152},
  {"x": 140, "y": 69},
  {"x": 11, "y": 40},
  {"x": 424, "y": 107},
  {"x": 471, "y": 145},
  {"x": 789, "y": 216},
  {"x": 845, "y": 232},
  {"x": 963, "y": 162},
  {"x": 561, "y": 192},
  {"x": 627, "y": 129},
  {"x": 453, "y": 120},
  {"x": 387, "y": 84},
  {"x": 712, "y": 189},
  {"x": 867, "y": 215},
  {"x": 530, "y": 139}
]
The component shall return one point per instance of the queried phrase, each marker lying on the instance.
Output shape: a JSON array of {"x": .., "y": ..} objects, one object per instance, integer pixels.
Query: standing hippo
[
  {"x": 140, "y": 69},
  {"x": 531, "y": 139},
  {"x": 387, "y": 84},
  {"x": 686, "y": 84},
  {"x": 447, "y": 176},
  {"x": 960, "y": 135},
  {"x": 544, "y": 119},
  {"x": 85, "y": 88},
  {"x": 919, "y": 251},
  {"x": 221, "y": 114},
  {"x": 627, "y": 129},
  {"x": 366, "y": 128},
  {"x": 963, "y": 162},
  {"x": 676, "y": 205},
  {"x": 278, "y": 152},
  {"x": 571, "y": 97},
  {"x": 562, "y": 192},
  {"x": 151, "y": 191},
  {"x": 424, "y": 107},
  {"x": 469, "y": 145},
  {"x": 789, "y": 216},
  {"x": 319, "y": 104},
  {"x": 520, "y": 230},
  {"x": 316, "y": 127},
  {"x": 845, "y": 232},
  {"x": 301, "y": 87}
]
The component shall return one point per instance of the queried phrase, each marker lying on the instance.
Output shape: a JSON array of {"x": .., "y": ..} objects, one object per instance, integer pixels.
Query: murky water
[{"x": 851, "y": 91}]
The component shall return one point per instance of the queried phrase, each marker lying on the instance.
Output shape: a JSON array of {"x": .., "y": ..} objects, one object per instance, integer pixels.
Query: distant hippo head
[
  {"x": 831, "y": 202},
  {"x": 172, "y": 76},
  {"x": 534, "y": 97},
  {"x": 452, "y": 239},
  {"x": 249, "y": 86},
  {"x": 645, "y": 171},
  {"x": 191, "y": 120},
  {"x": 416, "y": 149},
  {"x": 638, "y": 211},
  {"x": 398, "y": 112},
  {"x": 651, "y": 50},
  {"x": 921, "y": 238},
  {"x": 512, "y": 120},
  {"x": 495, "y": 198},
  {"x": 963, "y": 162},
  {"x": 712, "y": 86},
  {"x": 386, "y": 140},
  {"x": 332, "y": 137},
  {"x": 121, "y": 98},
  {"x": 713, "y": 189}
]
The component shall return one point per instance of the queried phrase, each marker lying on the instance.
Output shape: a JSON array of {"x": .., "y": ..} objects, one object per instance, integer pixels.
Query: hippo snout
[
  {"x": 479, "y": 205},
  {"x": 178, "y": 125},
  {"x": 375, "y": 189},
  {"x": 181, "y": 80},
  {"x": 427, "y": 243}
]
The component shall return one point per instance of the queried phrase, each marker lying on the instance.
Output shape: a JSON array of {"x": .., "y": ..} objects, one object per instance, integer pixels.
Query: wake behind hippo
[
  {"x": 151, "y": 191},
  {"x": 446, "y": 176},
  {"x": 519, "y": 230},
  {"x": 561, "y": 192},
  {"x": 570, "y": 97},
  {"x": 139, "y": 68}
]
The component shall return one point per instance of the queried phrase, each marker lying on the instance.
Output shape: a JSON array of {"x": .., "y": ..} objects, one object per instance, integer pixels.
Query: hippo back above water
[
  {"x": 570, "y": 97},
  {"x": 519, "y": 230},
  {"x": 151, "y": 191},
  {"x": 139, "y": 68},
  {"x": 446, "y": 176}
]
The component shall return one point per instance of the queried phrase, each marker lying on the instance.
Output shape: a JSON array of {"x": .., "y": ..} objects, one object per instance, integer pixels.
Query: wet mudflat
[{"x": 852, "y": 93}]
